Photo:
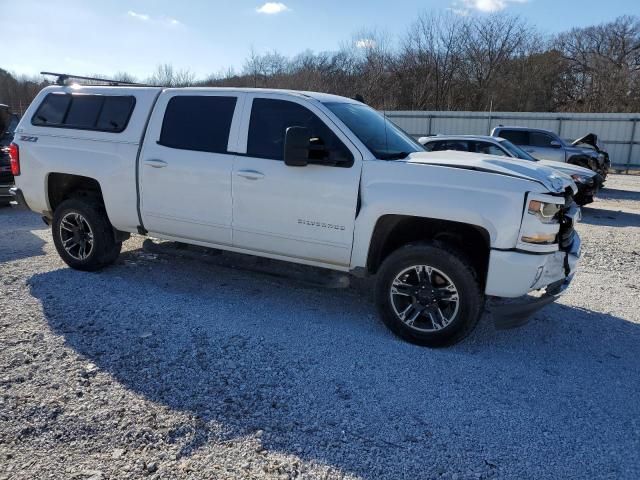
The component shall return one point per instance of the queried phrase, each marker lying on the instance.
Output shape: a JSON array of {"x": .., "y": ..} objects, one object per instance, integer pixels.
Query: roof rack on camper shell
[{"x": 63, "y": 77}]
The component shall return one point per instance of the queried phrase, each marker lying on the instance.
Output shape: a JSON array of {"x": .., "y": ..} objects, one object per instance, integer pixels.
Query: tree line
[{"x": 442, "y": 62}]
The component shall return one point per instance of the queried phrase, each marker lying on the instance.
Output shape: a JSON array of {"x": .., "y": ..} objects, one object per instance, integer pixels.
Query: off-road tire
[
  {"x": 105, "y": 248},
  {"x": 456, "y": 267}
]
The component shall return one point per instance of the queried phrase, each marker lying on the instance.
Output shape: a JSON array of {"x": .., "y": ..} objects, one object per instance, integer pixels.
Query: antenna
[{"x": 63, "y": 77}]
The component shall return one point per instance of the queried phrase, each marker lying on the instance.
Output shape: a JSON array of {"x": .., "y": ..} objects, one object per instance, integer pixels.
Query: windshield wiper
[{"x": 394, "y": 156}]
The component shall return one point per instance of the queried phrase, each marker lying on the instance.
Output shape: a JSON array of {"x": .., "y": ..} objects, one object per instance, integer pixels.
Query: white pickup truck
[{"x": 305, "y": 177}]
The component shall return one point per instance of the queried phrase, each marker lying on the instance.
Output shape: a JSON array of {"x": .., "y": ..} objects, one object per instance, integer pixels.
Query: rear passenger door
[{"x": 185, "y": 166}]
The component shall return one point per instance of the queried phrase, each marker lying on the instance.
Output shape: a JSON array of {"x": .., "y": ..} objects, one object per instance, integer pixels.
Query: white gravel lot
[{"x": 175, "y": 364}]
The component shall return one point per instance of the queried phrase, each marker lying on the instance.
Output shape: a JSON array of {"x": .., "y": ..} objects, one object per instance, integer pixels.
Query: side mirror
[
  {"x": 423, "y": 140},
  {"x": 296, "y": 147},
  {"x": 555, "y": 144}
]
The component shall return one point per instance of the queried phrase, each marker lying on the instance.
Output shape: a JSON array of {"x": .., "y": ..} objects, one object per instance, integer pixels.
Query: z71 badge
[{"x": 26, "y": 138}]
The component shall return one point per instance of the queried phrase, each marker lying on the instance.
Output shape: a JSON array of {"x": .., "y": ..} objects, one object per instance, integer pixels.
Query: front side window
[
  {"x": 518, "y": 137},
  {"x": 105, "y": 113},
  {"x": 270, "y": 119},
  {"x": 198, "y": 122},
  {"x": 538, "y": 139},
  {"x": 383, "y": 138}
]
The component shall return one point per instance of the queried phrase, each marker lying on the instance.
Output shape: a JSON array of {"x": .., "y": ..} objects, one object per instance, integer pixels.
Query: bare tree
[
  {"x": 443, "y": 62},
  {"x": 490, "y": 43},
  {"x": 603, "y": 65},
  {"x": 430, "y": 60},
  {"x": 166, "y": 76}
]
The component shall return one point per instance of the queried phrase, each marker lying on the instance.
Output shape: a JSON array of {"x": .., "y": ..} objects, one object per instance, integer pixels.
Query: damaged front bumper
[{"x": 553, "y": 276}]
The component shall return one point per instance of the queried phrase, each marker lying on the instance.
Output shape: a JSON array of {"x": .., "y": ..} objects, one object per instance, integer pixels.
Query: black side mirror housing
[{"x": 296, "y": 147}]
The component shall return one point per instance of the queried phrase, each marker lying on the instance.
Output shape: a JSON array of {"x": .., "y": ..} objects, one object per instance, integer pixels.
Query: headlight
[
  {"x": 581, "y": 178},
  {"x": 540, "y": 223},
  {"x": 546, "y": 212}
]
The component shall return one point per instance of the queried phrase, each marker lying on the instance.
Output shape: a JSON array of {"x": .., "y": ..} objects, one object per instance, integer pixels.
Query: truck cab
[
  {"x": 305, "y": 177},
  {"x": 547, "y": 145}
]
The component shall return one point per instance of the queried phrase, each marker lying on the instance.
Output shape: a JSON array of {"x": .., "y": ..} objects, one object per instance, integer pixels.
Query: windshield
[
  {"x": 516, "y": 151},
  {"x": 384, "y": 139}
]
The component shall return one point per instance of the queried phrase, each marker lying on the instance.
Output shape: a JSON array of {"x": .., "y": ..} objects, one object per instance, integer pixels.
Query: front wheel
[
  {"x": 83, "y": 235},
  {"x": 428, "y": 295}
]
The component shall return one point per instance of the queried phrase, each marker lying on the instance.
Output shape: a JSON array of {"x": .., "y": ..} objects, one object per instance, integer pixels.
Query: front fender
[{"x": 490, "y": 201}]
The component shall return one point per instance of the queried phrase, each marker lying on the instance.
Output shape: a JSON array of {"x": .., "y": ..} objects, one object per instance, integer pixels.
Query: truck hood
[
  {"x": 551, "y": 179},
  {"x": 567, "y": 168},
  {"x": 590, "y": 139}
]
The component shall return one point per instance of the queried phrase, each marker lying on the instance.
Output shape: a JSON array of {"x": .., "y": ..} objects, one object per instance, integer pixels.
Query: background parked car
[
  {"x": 546, "y": 145},
  {"x": 8, "y": 123},
  {"x": 587, "y": 181}
]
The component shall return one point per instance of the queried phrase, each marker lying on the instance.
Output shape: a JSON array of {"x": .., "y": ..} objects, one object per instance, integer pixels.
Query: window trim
[
  {"x": 233, "y": 114},
  {"x": 132, "y": 98},
  {"x": 249, "y": 111}
]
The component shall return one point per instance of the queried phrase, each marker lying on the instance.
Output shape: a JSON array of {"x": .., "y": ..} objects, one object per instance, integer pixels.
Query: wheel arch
[
  {"x": 62, "y": 186},
  {"x": 581, "y": 160},
  {"x": 394, "y": 231}
]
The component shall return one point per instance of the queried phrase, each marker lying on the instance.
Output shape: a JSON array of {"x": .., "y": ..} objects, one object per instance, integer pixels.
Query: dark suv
[{"x": 8, "y": 124}]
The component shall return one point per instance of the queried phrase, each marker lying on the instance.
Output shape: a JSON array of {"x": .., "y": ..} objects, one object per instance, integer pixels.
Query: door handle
[
  {"x": 250, "y": 174},
  {"x": 156, "y": 163}
]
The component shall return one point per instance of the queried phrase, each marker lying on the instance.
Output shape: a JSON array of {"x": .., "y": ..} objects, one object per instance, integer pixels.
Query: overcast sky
[{"x": 88, "y": 37}]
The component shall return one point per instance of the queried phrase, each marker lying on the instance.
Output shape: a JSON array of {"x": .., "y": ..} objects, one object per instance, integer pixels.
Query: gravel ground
[{"x": 180, "y": 364}]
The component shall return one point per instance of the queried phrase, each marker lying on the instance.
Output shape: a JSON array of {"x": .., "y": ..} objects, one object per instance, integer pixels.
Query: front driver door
[
  {"x": 307, "y": 212},
  {"x": 541, "y": 146}
]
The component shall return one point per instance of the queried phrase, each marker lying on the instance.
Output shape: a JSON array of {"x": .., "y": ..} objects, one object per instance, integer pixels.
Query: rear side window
[
  {"x": 198, "y": 122},
  {"x": 269, "y": 122},
  {"x": 84, "y": 111},
  {"x": 518, "y": 137},
  {"x": 52, "y": 110},
  {"x": 105, "y": 113}
]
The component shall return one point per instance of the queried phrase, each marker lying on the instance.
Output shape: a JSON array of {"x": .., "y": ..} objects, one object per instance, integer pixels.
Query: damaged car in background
[
  {"x": 587, "y": 181},
  {"x": 590, "y": 142},
  {"x": 546, "y": 145}
]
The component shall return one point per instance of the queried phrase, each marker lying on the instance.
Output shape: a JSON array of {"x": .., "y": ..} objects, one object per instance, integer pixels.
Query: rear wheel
[
  {"x": 428, "y": 295},
  {"x": 83, "y": 235}
]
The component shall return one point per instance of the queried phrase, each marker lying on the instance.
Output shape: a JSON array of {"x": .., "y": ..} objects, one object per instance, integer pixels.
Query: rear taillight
[{"x": 14, "y": 157}]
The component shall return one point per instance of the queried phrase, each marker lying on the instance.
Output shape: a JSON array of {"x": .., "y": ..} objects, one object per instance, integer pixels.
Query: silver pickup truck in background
[{"x": 546, "y": 145}]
